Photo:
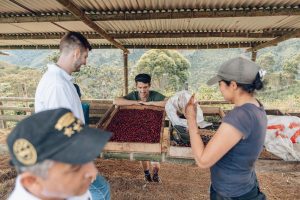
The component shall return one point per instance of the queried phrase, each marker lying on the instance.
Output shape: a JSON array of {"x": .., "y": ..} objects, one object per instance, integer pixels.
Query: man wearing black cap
[
  {"x": 53, "y": 153},
  {"x": 144, "y": 96}
]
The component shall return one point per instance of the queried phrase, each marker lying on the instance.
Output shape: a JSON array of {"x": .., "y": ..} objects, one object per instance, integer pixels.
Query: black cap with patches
[{"x": 55, "y": 135}]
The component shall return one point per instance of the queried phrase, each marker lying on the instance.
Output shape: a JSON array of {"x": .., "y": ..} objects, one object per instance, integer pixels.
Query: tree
[
  {"x": 290, "y": 66},
  {"x": 53, "y": 57},
  {"x": 267, "y": 61},
  {"x": 168, "y": 69}
]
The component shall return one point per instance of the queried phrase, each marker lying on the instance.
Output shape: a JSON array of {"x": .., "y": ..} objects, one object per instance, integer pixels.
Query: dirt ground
[
  {"x": 279, "y": 180},
  {"x": 179, "y": 181}
]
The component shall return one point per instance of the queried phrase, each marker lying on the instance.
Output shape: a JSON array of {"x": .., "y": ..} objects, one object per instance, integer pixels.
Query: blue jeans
[{"x": 100, "y": 189}]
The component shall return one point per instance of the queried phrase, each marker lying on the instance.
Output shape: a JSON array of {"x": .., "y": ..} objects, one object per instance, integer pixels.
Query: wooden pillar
[
  {"x": 125, "y": 55},
  {"x": 2, "y": 122},
  {"x": 253, "y": 56}
]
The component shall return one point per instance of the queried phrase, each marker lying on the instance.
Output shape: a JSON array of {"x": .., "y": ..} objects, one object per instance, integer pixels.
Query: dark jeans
[{"x": 254, "y": 194}]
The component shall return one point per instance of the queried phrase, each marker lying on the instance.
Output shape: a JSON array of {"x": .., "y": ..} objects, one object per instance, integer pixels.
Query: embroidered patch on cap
[
  {"x": 24, "y": 152},
  {"x": 69, "y": 123}
]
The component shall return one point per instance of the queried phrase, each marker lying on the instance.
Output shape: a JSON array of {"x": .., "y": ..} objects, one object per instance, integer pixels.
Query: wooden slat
[
  {"x": 20, "y": 99},
  {"x": 132, "y": 147},
  {"x": 98, "y": 111},
  {"x": 106, "y": 116},
  {"x": 210, "y": 102},
  {"x": 213, "y": 111},
  {"x": 133, "y": 156},
  {"x": 99, "y": 105},
  {"x": 181, "y": 152},
  {"x": 165, "y": 141},
  {"x": 15, "y": 118},
  {"x": 26, "y": 109},
  {"x": 105, "y": 123},
  {"x": 2, "y": 122}
]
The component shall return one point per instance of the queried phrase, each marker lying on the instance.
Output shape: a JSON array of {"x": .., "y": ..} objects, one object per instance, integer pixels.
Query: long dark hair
[{"x": 256, "y": 85}]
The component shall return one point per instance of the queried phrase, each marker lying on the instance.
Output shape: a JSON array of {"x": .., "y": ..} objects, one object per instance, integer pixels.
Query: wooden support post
[
  {"x": 253, "y": 56},
  {"x": 125, "y": 55},
  {"x": 2, "y": 122}
]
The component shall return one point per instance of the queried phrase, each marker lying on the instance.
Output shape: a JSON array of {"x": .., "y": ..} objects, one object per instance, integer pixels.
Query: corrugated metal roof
[
  {"x": 204, "y": 24},
  {"x": 76, "y": 26},
  {"x": 47, "y": 42},
  {"x": 32, "y": 8},
  {"x": 187, "y": 41},
  {"x": 129, "y": 5},
  {"x": 9, "y": 7},
  {"x": 151, "y": 41},
  {"x": 39, "y": 6},
  {"x": 41, "y": 27}
]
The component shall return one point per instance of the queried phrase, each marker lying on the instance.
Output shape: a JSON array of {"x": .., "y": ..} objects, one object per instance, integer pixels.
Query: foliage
[
  {"x": 209, "y": 93},
  {"x": 103, "y": 77},
  {"x": 100, "y": 83},
  {"x": 267, "y": 61},
  {"x": 290, "y": 66},
  {"x": 53, "y": 57},
  {"x": 19, "y": 82},
  {"x": 168, "y": 69}
]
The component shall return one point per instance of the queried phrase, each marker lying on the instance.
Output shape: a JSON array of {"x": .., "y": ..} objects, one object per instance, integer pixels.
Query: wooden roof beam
[
  {"x": 148, "y": 15},
  {"x": 25, "y": 36},
  {"x": 274, "y": 42},
  {"x": 152, "y": 46},
  {"x": 84, "y": 18}
]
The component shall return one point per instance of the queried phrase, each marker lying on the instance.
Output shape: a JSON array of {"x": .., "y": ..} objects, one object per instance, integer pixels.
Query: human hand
[
  {"x": 191, "y": 109},
  {"x": 139, "y": 102},
  {"x": 145, "y": 103}
]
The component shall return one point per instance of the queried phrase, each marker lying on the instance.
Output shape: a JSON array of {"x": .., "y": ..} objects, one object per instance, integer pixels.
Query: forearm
[
  {"x": 124, "y": 102},
  {"x": 196, "y": 142},
  {"x": 157, "y": 103}
]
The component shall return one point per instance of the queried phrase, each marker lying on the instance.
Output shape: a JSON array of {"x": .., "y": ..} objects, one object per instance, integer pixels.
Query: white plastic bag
[
  {"x": 177, "y": 103},
  {"x": 282, "y": 136}
]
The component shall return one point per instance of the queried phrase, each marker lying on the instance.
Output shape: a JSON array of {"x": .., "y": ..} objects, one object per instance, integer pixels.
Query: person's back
[
  {"x": 234, "y": 172},
  {"x": 233, "y": 150}
]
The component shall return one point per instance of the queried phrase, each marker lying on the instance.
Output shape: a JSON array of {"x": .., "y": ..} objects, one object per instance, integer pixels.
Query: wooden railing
[
  {"x": 9, "y": 106},
  {"x": 14, "y": 109}
]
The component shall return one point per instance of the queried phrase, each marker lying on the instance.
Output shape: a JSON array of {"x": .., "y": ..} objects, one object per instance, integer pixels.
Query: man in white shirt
[
  {"x": 53, "y": 153},
  {"x": 56, "y": 89}
]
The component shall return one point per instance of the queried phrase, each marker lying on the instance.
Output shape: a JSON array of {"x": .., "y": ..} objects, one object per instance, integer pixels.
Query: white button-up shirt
[
  {"x": 56, "y": 90},
  {"x": 20, "y": 193}
]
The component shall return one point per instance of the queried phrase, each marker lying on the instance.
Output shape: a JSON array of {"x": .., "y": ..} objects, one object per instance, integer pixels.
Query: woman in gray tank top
[{"x": 233, "y": 150}]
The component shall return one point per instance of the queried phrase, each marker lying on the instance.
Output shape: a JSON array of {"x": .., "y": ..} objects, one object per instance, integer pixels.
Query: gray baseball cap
[{"x": 237, "y": 69}]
